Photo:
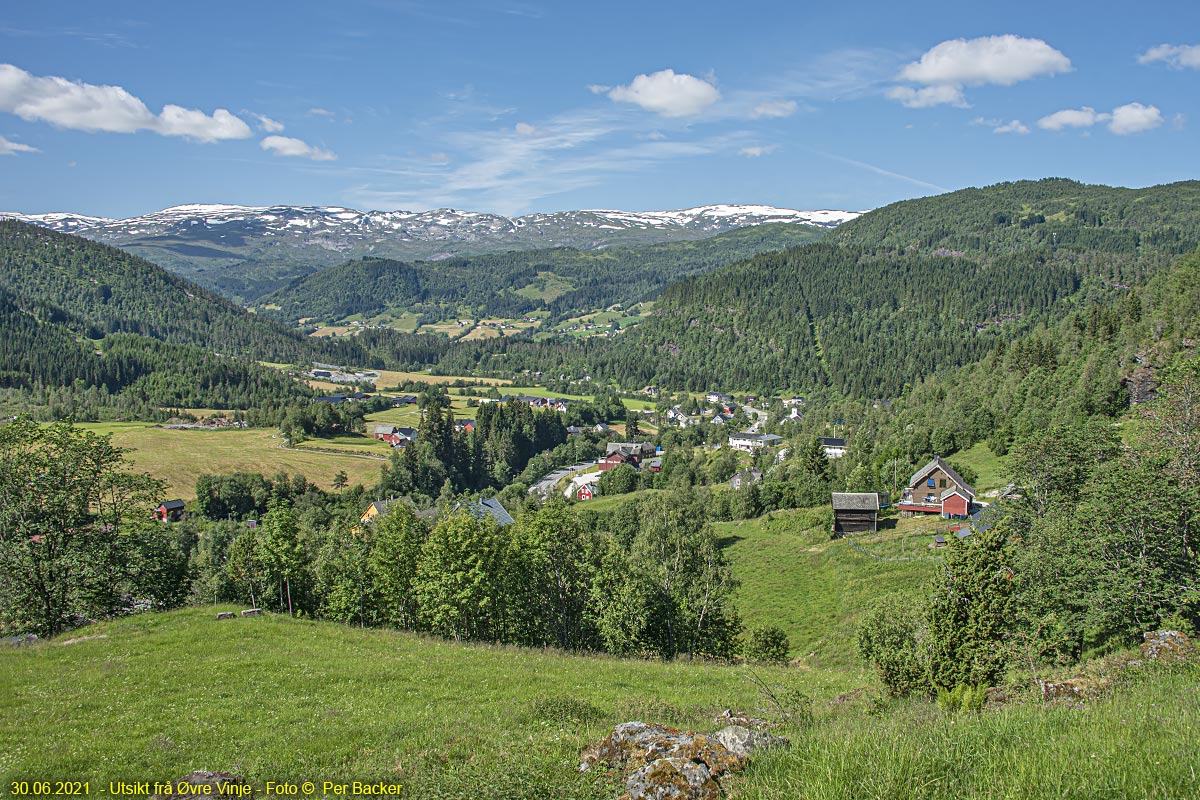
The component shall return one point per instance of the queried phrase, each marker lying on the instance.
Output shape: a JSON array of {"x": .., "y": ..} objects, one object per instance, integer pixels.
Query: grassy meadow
[
  {"x": 987, "y": 464},
  {"x": 155, "y": 696},
  {"x": 158, "y": 695},
  {"x": 179, "y": 457},
  {"x": 793, "y": 576}
]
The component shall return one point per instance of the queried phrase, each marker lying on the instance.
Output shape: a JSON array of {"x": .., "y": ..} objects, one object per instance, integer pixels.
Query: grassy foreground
[
  {"x": 1138, "y": 742},
  {"x": 155, "y": 696},
  {"x": 273, "y": 699}
]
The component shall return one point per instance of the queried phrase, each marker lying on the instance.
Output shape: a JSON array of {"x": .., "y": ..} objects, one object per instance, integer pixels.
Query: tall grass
[{"x": 1139, "y": 742}]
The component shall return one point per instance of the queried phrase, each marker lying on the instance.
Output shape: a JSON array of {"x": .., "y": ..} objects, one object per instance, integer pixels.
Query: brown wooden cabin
[{"x": 857, "y": 512}]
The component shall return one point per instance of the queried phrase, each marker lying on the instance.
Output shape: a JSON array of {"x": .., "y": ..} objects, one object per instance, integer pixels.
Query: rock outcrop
[
  {"x": 664, "y": 763},
  {"x": 1166, "y": 646}
]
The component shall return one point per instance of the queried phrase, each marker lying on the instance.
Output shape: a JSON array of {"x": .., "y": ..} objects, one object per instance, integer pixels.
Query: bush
[
  {"x": 890, "y": 637},
  {"x": 620, "y": 480},
  {"x": 765, "y": 643}
]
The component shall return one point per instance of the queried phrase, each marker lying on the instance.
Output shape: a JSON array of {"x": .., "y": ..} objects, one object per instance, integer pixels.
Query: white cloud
[
  {"x": 1015, "y": 126},
  {"x": 439, "y": 158},
  {"x": 193, "y": 124},
  {"x": 1072, "y": 118},
  {"x": 1134, "y": 118},
  {"x": 8, "y": 148},
  {"x": 320, "y": 112},
  {"x": 668, "y": 93},
  {"x": 1176, "y": 55},
  {"x": 757, "y": 150},
  {"x": 1001, "y": 60},
  {"x": 597, "y": 88},
  {"x": 287, "y": 146},
  {"x": 267, "y": 124},
  {"x": 525, "y": 129},
  {"x": 928, "y": 96},
  {"x": 498, "y": 170},
  {"x": 88, "y": 107},
  {"x": 779, "y": 108},
  {"x": 1124, "y": 120}
]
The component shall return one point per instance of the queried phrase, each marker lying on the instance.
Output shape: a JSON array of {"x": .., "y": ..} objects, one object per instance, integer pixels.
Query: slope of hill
[
  {"x": 505, "y": 285},
  {"x": 454, "y": 721},
  {"x": 246, "y": 252},
  {"x": 77, "y": 316},
  {"x": 1065, "y": 220},
  {"x": 897, "y": 295}
]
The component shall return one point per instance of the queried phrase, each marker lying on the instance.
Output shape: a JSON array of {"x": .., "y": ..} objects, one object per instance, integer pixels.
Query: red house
[
  {"x": 613, "y": 460},
  {"x": 586, "y": 492},
  {"x": 170, "y": 511},
  {"x": 937, "y": 489}
]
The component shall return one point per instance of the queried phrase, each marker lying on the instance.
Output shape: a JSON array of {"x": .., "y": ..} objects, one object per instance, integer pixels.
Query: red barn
[{"x": 170, "y": 511}]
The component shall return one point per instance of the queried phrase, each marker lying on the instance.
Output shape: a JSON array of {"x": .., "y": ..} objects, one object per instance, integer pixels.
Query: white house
[
  {"x": 834, "y": 447},
  {"x": 751, "y": 442}
]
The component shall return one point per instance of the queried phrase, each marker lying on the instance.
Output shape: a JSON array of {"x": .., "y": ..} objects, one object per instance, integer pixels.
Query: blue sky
[{"x": 118, "y": 109}]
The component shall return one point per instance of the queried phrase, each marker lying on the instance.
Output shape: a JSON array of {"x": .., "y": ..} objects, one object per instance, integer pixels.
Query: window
[
  {"x": 942, "y": 483},
  {"x": 930, "y": 483}
]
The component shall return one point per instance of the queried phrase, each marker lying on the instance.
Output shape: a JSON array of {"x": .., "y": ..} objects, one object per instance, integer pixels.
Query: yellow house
[{"x": 376, "y": 509}]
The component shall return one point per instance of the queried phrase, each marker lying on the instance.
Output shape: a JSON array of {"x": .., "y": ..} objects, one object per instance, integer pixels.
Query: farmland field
[{"x": 179, "y": 457}]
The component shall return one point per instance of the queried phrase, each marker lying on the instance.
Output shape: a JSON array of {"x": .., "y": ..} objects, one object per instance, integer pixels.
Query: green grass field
[
  {"x": 155, "y": 696},
  {"x": 989, "y": 466},
  {"x": 179, "y": 457},
  {"x": 793, "y": 576},
  {"x": 279, "y": 699}
]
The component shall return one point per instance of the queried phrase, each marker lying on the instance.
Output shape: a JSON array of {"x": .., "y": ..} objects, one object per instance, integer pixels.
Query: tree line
[{"x": 1097, "y": 548}]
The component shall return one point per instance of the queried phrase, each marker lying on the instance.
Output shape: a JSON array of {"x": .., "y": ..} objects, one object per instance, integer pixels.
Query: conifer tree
[{"x": 968, "y": 614}]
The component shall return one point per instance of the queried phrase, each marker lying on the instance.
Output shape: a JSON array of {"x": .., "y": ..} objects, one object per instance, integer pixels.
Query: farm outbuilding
[{"x": 857, "y": 512}]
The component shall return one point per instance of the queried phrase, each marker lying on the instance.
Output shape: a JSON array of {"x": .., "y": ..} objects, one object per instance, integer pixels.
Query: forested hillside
[
  {"x": 105, "y": 291},
  {"x": 512, "y": 284},
  {"x": 900, "y": 294},
  {"x": 84, "y": 324},
  {"x": 1070, "y": 221}
]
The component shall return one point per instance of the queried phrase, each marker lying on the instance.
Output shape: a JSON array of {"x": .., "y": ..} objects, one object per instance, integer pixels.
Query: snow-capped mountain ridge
[
  {"x": 246, "y": 252},
  {"x": 712, "y": 218}
]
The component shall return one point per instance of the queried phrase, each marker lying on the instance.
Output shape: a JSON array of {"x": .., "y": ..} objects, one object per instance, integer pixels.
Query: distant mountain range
[{"x": 245, "y": 252}]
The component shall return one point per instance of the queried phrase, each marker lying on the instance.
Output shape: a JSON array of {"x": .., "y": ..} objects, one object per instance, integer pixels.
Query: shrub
[
  {"x": 765, "y": 643},
  {"x": 890, "y": 637}
]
